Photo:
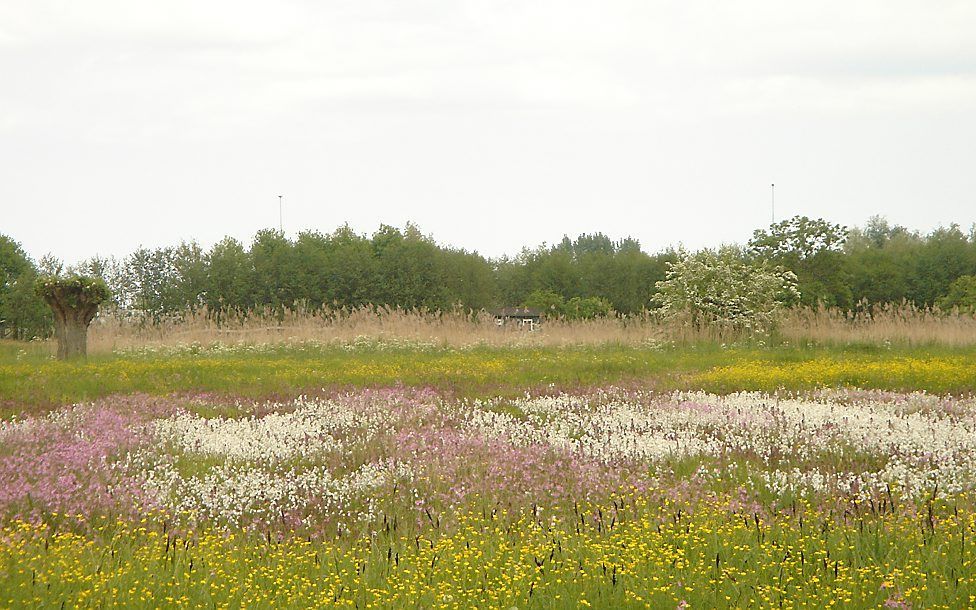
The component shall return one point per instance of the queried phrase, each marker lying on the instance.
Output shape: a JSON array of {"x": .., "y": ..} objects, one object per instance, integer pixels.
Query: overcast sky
[{"x": 491, "y": 125}]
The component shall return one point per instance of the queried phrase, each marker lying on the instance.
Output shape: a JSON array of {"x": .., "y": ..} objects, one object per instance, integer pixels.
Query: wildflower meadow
[{"x": 797, "y": 480}]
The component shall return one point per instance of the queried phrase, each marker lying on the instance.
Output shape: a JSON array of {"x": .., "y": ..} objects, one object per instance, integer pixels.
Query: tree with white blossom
[{"x": 725, "y": 290}]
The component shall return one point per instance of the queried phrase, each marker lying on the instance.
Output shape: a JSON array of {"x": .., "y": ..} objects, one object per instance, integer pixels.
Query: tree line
[{"x": 589, "y": 276}]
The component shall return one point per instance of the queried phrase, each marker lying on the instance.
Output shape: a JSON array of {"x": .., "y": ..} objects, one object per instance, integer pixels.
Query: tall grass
[
  {"x": 903, "y": 324},
  {"x": 447, "y": 329},
  {"x": 896, "y": 324}
]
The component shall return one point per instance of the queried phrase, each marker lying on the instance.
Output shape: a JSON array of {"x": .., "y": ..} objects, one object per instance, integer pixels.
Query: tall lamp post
[
  {"x": 772, "y": 202},
  {"x": 281, "y": 226}
]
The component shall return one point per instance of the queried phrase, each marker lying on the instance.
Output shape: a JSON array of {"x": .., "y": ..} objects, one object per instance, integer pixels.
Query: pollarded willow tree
[
  {"x": 724, "y": 290},
  {"x": 74, "y": 299}
]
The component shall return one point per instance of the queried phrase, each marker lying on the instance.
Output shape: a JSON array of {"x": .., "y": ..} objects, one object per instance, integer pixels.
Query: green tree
[
  {"x": 337, "y": 270},
  {"x": 190, "y": 275},
  {"x": 880, "y": 259},
  {"x": 512, "y": 282},
  {"x": 228, "y": 290},
  {"x": 961, "y": 295},
  {"x": 943, "y": 257},
  {"x": 410, "y": 273},
  {"x": 23, "y": 314},
  {"x": 592, "y": 265},
  {"x": 13, "y": 261},
  {"x": 813, "y": 250},
  {"x": 469, "y": 279},
  {"x": 588, "y": 308},
  {"x": 111, "y": 271},
  {"x": 149, "y": 286},
  {"x": 550, "y": 303},
  {"x": 890, "y": 264},
  {"x": 275, "y": 280}
]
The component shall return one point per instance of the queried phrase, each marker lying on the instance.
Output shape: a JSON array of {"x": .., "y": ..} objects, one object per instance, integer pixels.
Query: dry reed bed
[
  {"x": 452, "y": 329},
  {"x": 904, "y": 325}
]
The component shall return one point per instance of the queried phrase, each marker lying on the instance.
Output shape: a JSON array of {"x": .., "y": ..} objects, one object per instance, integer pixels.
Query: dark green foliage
[
  {"x": 162, "y": 284},
  {"x": 592, "y": 266},
  {"x": 313, "y": 273},
  {"x": 553, "y": 305},
  {"x": 961, "y": 295},
  {"x": 336, "y": 269},
  {"x": 548, "y": 302},
  {"x": 13, "y": 261},
  {"x": 588, "y": 308},
  {"x": 811, "y": 249},
  {"x": 860, "y": 268},
  {"x": 274, "y": 280},
  {"x": 890, "y": 264},
  {"x": 410, "y": 273},
  {"x": 945, "y": 256},
  {"x": 228, "y": 287},
  {"x": 23, "y": 314}
]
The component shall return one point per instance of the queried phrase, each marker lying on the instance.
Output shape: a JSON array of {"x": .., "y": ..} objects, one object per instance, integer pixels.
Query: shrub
[
  {"x": 722, "y": 289},
  {"x": 961, "y": 295}
]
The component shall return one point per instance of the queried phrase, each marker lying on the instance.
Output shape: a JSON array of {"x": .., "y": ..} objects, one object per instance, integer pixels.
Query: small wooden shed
[{"x": 524, "y": 317}]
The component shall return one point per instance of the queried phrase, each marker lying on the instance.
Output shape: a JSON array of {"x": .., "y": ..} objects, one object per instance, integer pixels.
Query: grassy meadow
[
  {"x": 29, "y": 378},
  {"x": 426, "y": 472}
]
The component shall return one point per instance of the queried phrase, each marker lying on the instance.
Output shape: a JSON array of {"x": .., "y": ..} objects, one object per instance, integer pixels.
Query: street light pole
[
  {"x": 281, "y": 226},
  {"x": 772, "y": 202}
]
